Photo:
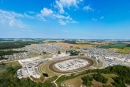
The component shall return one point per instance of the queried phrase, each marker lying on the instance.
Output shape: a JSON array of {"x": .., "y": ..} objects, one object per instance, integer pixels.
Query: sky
[{"x": 70, "y": 19}]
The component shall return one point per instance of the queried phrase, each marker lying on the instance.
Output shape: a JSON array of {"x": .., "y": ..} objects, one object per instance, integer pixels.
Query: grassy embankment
[
  {"x": 44, "y": 68},
  {"x": 77, "y": 82}
]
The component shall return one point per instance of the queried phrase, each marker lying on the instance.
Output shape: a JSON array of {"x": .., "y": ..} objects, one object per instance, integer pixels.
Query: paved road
[{"x": 51, "y": 66}]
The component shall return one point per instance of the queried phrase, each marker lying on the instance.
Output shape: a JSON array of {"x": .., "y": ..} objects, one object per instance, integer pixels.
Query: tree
[
  {"x": 59, "y": 52},
  {"x": 105, "y": 80},
  {"x": 87, "y": 80},
  {"x": 72, "y": 75},
  {"x": 44, "y": 52},
  {"x": 98, "y": 77}
]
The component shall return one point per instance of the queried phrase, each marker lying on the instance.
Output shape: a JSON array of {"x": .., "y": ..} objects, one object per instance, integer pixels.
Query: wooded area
[
  {"x": 15, "y": 44},
  {"x": 10, "y": 52},
  {"x": 9, "y": 79},
  {"x": 123, "y": 73}
]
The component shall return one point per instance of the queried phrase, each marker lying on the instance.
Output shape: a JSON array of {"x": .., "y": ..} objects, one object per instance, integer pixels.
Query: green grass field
[
  {"x": 116, "y": 45},
  {"x": 119, "y": 47},
  {"x": 9, "y": 64},
  {"x": 47, "y": 55},
  {"x": 77, "y": 82},
  {"x": 127, "y": 48},
  {"x": 4, "y": 71},
  {"x": 44, "y": 68}
]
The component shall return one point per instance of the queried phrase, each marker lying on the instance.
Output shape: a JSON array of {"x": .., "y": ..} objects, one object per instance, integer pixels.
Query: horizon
[
  {"x": 64, "y": 39},
  {"x": 69, "y": 19}
]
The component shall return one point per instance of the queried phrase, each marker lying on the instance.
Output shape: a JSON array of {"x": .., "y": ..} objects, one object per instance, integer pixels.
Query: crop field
[
  {"x": 126, "y": 50},
  {"x": 75, "y": 45},
  {"x": 119, "y": 47}
]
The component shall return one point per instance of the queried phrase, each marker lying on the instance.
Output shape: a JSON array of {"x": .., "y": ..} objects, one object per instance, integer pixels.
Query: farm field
[
  {"x": 75, "y": 45},
  {"x": 124, "y": 51},
  {"x": 119, "y": 47}
]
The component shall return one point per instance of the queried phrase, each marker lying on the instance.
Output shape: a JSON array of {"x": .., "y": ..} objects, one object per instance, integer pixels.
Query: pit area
[{"x": 70, "y": 65}]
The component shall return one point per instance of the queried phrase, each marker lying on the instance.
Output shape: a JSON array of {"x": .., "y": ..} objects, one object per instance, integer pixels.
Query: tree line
[
  {"x": 87, "y": 80},
  {"x": 123, "y": 73},
  {"x": 73, "y": 52},
  {"x": 98, "y": 77},
  {"x": 70, "y": 41},
  {"x": 10, "y": 52},
  {"x": 15, "y": 44},
  {"x": 9, "y": 79}
]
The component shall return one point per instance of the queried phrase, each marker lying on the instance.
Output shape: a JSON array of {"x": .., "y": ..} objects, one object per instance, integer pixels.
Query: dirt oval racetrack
[{"x": 52, "y": 68}]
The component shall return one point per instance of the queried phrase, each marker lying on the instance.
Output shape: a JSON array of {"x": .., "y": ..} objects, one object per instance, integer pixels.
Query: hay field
[
  {"x": 75, "y": 45},
  {"x": 124, "y": 51}
]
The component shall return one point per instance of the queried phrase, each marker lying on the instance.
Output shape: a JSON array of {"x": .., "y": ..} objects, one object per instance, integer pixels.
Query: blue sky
[{"x": 78, "y": 19}]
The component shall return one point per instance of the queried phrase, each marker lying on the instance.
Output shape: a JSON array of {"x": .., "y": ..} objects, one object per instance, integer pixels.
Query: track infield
[{"x": 52, "y": 68}]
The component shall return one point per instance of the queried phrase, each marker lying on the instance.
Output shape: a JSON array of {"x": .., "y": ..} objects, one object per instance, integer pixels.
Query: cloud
[
  {"x": 73, "y": 21},
  {"x": 13, "y": 18},
  {"x": 30, "y": 12},
  {"x": 60, "y": 7},
  {"x": 46, "y": 12},
  {"x": 28, "y": 16},
  {"x": 67, "y": 19},
  {"x": 62, "y": 22},
  {"x": 17, "y": 23},
  {"x": 88, "y": 8},
  {"x": 61, "y": 4},
  {"x": 68, "y": 3},
  {"x": 11, "y": 23},
  {"x": 102, "y": 17},
  {"x": 60, "y": 15},
  {"x": 41, "y": 17},
  {"x": 63, "y": 19}
]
